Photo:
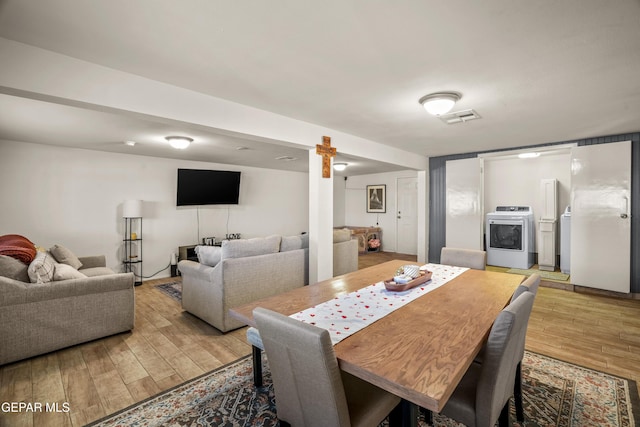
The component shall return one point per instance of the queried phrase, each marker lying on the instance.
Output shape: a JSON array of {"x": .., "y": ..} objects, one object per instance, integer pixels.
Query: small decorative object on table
[{"x": 407, "y": 277}]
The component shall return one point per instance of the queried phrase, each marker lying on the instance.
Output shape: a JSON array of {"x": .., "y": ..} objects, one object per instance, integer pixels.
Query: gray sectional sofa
[
  {"x": 36, "y": 318},
  {"x": 239, "y": 272},
  {"x": 242, "y": 271}
]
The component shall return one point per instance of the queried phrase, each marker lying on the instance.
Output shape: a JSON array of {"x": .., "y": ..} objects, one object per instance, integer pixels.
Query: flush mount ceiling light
[
  {"x": 130, "y": 143},
  {"x": 179, "y": 142},
  {"x": 286, "y": 158},
  {"x": 440, "y": 103},
  {"x": 340, "y": 166}
]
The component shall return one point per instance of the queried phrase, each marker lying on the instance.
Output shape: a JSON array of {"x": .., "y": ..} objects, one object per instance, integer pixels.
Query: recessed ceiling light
[
  {"x": 528, "y": 155},
  {"x": 130, "y": 143},
  {"x": 179, "y": 142},
  {"x": 242, "y": 148},
  {"x": 286, "y": 158},
  {"x": 340, "y": 166}
]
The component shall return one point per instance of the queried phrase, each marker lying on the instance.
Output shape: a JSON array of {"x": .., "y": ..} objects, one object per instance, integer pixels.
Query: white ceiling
[{"x": 536, "y": 72}]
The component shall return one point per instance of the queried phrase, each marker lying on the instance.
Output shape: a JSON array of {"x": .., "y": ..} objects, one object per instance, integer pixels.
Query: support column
[
  {"x": 423, "y": 217},
  {"x": 320, "y": 221}
]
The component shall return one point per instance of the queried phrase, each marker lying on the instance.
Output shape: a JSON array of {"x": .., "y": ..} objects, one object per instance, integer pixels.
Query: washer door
[{"x": 506, "y": 234}]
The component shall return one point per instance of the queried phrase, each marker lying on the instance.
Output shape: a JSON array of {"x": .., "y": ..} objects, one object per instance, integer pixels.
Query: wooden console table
[{"x": 364, "y": 234}]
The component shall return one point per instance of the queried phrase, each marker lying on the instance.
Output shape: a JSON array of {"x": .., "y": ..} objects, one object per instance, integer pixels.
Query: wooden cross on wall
[{"x": 327, "y": 152}]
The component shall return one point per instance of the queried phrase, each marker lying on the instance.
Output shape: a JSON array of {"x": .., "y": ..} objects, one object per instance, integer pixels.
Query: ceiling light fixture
[
  {"x": 130, "y": 143},
  {"x": 340, "y": 166},
  {"x": 439, "y": 103},
  {"x": 179, "y": 142}
]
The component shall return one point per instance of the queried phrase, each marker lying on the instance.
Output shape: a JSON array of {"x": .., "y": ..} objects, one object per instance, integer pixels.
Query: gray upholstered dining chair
[
  {"x": 471, "y": 258},
  {"x": 531, "y": 284},
  {"x": 482, "y": 396},
  {"x": 310, "y": 389}
]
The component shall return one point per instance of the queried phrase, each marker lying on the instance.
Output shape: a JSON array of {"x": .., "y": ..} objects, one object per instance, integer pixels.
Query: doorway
[{"x": 407, "y": 216}]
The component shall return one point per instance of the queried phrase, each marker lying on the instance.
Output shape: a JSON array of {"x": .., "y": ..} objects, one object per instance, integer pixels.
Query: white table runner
[{"x": 347, "y": 314}]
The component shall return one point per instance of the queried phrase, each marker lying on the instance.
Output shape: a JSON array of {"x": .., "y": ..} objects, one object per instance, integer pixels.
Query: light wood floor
[{"x": 168, "y": 347}]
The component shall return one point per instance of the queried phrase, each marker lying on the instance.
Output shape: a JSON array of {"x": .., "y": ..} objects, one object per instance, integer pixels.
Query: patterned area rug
[
  {"x": 555, "y": 394},
  {"x": 549, "y": 275},
  {"x": 173, "y": 289}
]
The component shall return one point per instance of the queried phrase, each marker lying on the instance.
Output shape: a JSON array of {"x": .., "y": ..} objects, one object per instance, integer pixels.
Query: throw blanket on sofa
[{"x": 18, "y": 247}]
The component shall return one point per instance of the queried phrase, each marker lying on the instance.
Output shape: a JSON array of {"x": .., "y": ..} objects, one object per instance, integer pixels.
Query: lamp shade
[{"x": 132, "y": 209}]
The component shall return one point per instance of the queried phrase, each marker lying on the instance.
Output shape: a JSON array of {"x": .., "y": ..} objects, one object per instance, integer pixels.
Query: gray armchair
[
  {"x": 310, "y": 389},
  {"x": 471, "y": 258}
]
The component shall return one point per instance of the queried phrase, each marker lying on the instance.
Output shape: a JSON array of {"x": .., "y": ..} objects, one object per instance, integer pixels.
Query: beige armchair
[{"x": 345, "y": 252}]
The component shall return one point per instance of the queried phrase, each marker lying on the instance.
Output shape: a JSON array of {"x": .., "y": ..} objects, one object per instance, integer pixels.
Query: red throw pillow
[{"x": 18, "y": 247}]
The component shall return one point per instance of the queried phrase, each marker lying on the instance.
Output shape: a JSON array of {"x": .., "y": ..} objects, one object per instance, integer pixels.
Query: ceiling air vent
[{"x": 459, "y": 117}]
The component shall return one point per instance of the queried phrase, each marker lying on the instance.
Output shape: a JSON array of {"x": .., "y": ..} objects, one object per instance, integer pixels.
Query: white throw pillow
[
  {"x": 41, "y": 268},
  {"x": 66, "y": 272},
  {"x": 209, "y": 255}
]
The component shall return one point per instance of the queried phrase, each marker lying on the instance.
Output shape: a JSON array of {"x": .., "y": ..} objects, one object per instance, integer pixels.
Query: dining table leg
[{"x": 410, "y": 413}]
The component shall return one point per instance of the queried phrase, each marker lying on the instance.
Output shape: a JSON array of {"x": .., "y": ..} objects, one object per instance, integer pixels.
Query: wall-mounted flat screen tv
[{"x": 207, "y": 187}]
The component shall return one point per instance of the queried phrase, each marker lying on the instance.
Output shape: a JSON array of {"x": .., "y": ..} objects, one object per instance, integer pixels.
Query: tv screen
[{"x": 207, "y": 187}]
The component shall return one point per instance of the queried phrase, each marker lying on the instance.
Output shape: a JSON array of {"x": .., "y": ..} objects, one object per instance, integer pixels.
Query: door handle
[{"x": 624, "y": 215}]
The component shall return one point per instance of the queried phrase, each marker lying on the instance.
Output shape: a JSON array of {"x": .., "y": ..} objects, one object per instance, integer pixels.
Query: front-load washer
[{"x": 510, "y": 237}]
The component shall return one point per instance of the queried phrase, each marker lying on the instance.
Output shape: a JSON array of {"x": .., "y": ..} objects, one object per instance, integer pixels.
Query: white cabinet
[
  {"x": 547, "y": 240},
  {"x": 547, "y": 245}
]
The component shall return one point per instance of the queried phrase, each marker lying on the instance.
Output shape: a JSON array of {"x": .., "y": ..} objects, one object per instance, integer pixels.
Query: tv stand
[{"x": 187, "y": 252}]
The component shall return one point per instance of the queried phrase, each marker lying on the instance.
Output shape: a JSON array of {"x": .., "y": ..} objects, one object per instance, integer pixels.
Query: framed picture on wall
[{"x": 377, "y": 198}]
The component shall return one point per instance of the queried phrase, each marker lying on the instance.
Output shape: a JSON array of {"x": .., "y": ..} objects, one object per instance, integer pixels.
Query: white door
[
  {"x": 465, "y": 209},
  {"x": 600, "y": 216},
  {"x": 407, "y": 222}
]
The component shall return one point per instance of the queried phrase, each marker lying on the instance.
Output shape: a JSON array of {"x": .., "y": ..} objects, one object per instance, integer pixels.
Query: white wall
[
  {"x": 74, "y": 197},
  {"x": 513, "y": 181},
  {"x": 356, "y": 207}
]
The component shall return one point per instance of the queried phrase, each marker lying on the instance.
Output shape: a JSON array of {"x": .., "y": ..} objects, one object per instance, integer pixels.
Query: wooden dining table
[{"x": 420, "y": 351}]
